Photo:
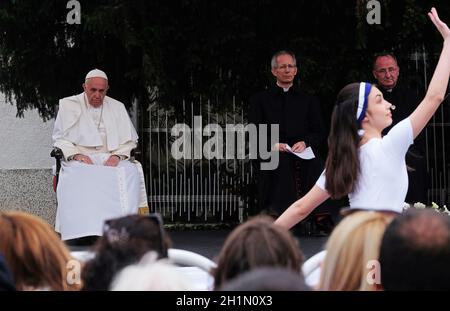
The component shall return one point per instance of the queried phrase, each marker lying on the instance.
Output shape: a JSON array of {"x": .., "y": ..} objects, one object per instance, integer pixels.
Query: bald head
[{"x": 415, "y": 252}]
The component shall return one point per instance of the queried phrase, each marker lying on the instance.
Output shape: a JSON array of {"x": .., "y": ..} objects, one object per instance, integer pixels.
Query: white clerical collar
[{"x": 285, "y": 89}]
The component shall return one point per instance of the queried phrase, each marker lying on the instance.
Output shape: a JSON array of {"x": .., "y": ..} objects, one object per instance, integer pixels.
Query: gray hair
[
  {"x": 151, "y": 274},
  {"x": 274, "y": 63}
]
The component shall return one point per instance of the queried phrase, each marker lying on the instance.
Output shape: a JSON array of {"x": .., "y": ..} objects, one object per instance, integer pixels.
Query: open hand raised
[{"x": 440, "y": 25}]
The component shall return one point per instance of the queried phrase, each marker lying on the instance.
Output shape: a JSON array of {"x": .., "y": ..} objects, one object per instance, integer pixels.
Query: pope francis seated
[{"x": 97, "y": 181}]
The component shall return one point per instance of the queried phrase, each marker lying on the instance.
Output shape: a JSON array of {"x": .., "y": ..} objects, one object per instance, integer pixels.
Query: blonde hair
[
  {"x": 34, "y": 253},
  {"x": 353, "y": 243}
]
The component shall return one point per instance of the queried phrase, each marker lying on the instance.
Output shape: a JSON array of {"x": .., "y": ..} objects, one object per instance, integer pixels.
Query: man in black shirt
[
  {"x": 386, "y": 71},
  {"x": 300, "y": 126}
]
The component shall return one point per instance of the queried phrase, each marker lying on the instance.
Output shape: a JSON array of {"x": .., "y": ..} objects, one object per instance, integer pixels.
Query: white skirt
[{"x": 90, "y": 194}]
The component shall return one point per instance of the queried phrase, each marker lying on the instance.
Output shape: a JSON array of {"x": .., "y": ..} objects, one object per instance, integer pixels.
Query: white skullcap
[{"x": 96, "y": 73}]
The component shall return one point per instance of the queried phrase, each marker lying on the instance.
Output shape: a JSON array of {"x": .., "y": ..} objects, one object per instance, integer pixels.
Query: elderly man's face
[
  {"x": 95, "y": 89},
  {"x": 386, "y": 72},
  {"x": 286, "y": 69}
]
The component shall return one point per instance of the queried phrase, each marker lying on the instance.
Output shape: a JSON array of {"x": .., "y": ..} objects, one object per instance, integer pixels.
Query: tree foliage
[{"x": 173, "y": 50}]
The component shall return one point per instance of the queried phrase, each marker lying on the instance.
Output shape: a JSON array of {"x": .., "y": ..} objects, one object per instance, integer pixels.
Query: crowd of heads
[{"x": 367, "y": 251}]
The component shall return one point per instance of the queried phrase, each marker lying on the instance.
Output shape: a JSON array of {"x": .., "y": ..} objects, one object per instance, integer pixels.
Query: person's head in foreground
[
  {"x": 125, "y": 240},
  {"x": 267, "y": 279},
  {"x": 254, "y": 244},
  {"x": 36, "y": 256},
  {"x": 352, "y": 252},
  {"x": 415, "y": 252}
]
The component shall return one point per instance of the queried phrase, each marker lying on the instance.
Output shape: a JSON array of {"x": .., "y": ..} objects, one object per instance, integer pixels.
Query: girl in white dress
[{"x": 370, "y": 168}]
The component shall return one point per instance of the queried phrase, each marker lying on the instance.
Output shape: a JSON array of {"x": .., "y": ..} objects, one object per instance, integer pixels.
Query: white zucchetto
[{"x": 96, "y": 73}]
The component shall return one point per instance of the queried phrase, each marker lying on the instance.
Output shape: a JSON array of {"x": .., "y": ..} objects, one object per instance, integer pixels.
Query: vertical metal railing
[
  {"x": 437, "y": 150},
  {"x": 195, "y": 189}
]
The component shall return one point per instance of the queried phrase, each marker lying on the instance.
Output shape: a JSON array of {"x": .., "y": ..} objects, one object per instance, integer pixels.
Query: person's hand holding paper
[
  {"x": 306, "y": 154},
  {"x": 299, "y": 146}
]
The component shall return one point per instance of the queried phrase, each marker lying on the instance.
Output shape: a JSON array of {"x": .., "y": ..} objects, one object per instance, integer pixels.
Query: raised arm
[
  {"x": 302, "y": 207},
  {"x": 438, "y": 85}
]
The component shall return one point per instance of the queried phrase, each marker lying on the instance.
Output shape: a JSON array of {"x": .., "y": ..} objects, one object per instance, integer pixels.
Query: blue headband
[{"x": 364, "y": 90}]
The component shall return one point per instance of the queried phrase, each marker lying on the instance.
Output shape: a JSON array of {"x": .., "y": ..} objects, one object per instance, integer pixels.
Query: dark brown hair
[
  {"x": 342, "y": 165},
  {"x": 382, "y": 54},
  {"x": 125, "y": 241},
  {"x": 257, "y": 243}
]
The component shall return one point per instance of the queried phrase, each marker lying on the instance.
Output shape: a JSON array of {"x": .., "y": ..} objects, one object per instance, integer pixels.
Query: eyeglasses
[
  {"x": 386, "y": 70},
  {"x": 286, "y": 66}
]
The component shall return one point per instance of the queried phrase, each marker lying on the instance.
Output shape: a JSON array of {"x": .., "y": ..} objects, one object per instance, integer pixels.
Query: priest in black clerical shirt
[
  {"x": 386, "y": 71},
  {"x": 300, "y": 126}
]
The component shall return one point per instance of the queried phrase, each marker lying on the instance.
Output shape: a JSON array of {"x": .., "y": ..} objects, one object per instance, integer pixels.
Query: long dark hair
[{"x": 342, "y": 165}]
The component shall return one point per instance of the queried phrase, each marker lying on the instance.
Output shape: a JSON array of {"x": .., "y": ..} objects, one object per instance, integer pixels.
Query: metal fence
[
  {"x": 194, "y": 189},
  {"x": 437, "y": 131}
]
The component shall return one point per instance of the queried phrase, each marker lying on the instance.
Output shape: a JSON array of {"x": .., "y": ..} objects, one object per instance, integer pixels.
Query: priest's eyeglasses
[
  {"x": 286, "y": 66},
  {"x": 384, "y": 71}
]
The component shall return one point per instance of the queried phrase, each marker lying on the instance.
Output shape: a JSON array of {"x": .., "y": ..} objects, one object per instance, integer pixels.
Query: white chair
[
  {"x": 194, "y": 267},
  {"x": 182, "y": 257},
  {"x": 82, "y": 256},
  {"x": 312, "y": 267}
]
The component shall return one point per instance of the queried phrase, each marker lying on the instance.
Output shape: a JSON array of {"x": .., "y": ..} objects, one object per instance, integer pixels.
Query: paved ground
[{"x": 209, "y": 242}]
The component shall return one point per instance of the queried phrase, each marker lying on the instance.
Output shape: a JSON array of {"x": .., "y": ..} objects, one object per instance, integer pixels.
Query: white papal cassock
[{"x": 90, "y": 194}]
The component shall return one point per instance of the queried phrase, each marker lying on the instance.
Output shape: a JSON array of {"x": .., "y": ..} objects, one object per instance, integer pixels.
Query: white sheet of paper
[{"x": 306, "y": 154}]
